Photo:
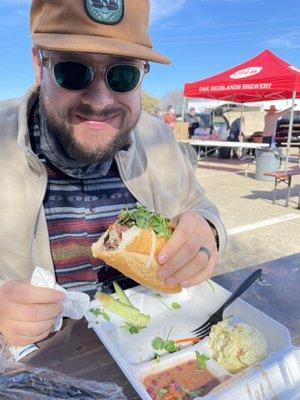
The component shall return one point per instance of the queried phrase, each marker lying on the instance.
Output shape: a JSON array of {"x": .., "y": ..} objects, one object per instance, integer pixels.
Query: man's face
[{"x": 90, "y": 124}]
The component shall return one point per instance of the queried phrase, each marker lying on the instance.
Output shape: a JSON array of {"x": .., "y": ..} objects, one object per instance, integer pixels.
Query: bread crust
[
  {"x": 142, "y": 243},
  {"x": 132, "y": 260}
]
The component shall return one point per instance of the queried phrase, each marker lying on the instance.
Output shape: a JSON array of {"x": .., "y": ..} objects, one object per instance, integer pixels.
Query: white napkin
[{"x": 75, "y": 304}]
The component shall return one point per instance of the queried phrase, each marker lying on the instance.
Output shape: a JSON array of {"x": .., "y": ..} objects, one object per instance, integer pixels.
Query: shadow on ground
[{"x": 268, "y": 195}]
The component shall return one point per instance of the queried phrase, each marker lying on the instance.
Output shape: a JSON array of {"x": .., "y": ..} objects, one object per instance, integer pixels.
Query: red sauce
[{"x": 176, "y": 382}]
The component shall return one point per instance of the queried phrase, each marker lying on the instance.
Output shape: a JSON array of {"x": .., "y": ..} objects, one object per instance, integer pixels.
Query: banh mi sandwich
[{"x": 132, "y": 244}]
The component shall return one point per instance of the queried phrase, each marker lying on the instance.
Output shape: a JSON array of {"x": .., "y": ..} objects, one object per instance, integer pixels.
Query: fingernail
[
  {"x": 185, "y": 284},
  {"x": 163, "y": 258},
  {"x": 171, "y": 281},
  {"x": 60, "y": 295},
  {"x": 162, "y": 274}
]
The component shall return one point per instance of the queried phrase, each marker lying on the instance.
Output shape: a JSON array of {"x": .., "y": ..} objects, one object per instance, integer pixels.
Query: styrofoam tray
[{"x": 278, "y": 375}]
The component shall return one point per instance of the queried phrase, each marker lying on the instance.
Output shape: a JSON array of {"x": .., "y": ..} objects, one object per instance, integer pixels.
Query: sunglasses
[{"x": 123, "y": 77}]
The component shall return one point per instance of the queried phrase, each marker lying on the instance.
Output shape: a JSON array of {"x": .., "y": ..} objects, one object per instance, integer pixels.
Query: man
[
  {"x": 76, "y": 150},
  {"x": 193, "y": 121},
  {"x": 271, "y": 118},
  {"x": 170, "y": 117},
  {"x": 234, "y": 133},
  {"x": 157, "y": 113}
]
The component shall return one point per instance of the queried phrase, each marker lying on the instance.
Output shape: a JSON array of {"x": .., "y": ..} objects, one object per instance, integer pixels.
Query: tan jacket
[{"x": 153, "y": 169}]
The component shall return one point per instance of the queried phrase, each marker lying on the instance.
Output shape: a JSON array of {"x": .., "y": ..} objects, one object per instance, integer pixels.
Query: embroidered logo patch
[{"x": 108, "y": 12}]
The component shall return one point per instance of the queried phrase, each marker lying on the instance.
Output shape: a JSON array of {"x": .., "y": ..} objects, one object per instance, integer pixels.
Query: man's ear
[{"x": 37, "y": 65}]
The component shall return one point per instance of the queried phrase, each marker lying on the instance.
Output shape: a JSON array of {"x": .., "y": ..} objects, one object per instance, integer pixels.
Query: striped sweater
[{"x": 78, "y": 211}]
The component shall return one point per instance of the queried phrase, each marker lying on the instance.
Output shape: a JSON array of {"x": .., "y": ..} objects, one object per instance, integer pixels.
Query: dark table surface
[{"x": 78, "y": 352}]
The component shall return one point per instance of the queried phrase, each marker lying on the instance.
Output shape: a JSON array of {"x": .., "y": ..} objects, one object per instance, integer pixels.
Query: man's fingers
[
  {"x": 33, "y": 312},
  {"x": 202, "y": 276},
  {"x": 184, "y": 229},
  {"x": 28, "y": 329},
  {"x": 183, "y": 274},
  {"x": 189, "y": 250},
  {"x": 25, "y": 293},
  {"x": 20, "y": 341}
]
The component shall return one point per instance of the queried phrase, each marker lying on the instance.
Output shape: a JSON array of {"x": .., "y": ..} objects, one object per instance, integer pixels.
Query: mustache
[{"x": 88, "y": 112}]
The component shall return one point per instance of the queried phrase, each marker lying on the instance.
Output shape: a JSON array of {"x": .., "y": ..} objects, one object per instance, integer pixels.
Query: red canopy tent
[{"x": 263, "y": 77}]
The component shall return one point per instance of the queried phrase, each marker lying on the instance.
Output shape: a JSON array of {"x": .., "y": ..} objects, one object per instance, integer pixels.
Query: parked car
[
  {"x": 282, "y": 129},
  {"x": 214, "y": 121}
]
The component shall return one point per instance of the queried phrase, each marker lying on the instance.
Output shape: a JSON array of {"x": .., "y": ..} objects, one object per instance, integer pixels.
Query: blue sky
[{"x": 202, "y": 37}]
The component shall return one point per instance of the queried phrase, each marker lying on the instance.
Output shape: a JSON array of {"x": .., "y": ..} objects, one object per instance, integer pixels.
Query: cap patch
[{"x": 108, "y": 12}]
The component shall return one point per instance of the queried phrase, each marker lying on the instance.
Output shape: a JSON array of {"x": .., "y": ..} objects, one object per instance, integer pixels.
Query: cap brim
[{"x": 92, "y": 44}]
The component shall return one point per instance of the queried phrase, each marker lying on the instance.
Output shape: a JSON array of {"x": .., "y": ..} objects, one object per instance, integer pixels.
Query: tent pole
[
  {"x": 241, "y": 124},
  {"x": 182, "y": 117},
  {"x": 288, "y": 145}
]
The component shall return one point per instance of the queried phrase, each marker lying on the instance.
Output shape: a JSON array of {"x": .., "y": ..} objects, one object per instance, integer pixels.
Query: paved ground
[{"x": 258, "y": 230}]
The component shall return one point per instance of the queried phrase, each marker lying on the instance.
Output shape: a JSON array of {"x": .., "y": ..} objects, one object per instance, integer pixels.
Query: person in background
[
  {"x": 157, "y": 112},
  {"x": 271, "y": 118},
  {"x": 234, "y": 133},
  {"x": 170, "y": 117},
  {"x": 75, "y": 150},
  {"x": 193, "y": 121}
]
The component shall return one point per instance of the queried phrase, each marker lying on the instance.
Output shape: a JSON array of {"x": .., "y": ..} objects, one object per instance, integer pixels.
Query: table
[
  {"x": 284, "y": 177},
  {"x": 78, "y": 352},
  {"x": 223, "y": 143}
]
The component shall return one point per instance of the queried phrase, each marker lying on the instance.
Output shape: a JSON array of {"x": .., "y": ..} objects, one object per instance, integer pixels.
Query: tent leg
[
  {"x": 182, "y": 118},
  {"x": 288, "y": 145}
]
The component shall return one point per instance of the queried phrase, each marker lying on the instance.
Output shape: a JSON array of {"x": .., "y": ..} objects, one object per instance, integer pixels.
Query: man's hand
[
  {"x": 27, "y": 313},
  {"x": 180, "y": 259}
]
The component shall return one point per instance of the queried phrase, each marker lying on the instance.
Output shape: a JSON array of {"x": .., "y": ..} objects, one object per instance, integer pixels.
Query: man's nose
[{"x": 98, "y": 95}]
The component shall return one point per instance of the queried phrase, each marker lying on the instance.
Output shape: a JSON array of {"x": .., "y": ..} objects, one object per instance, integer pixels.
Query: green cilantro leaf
[
  {"x": 175, "y": 306},
  {"x": 192, "y": 393},
  {"x": 133, "y": 329},
  {"x": 161, "y": 392},
  {"x": 201, "y": 360},
  {"x": 97, "y": 312},
  {"x": 158, "y": 343},
  {"x": 171, "y": 346}
]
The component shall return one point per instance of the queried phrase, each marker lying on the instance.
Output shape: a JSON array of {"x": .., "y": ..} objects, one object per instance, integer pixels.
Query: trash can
[{"x": 267, "y": 160}]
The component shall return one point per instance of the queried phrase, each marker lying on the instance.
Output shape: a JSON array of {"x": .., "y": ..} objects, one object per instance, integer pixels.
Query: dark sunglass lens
[
  {"x": 123, "y": 78},
  {"x": 72, "y": 75}
]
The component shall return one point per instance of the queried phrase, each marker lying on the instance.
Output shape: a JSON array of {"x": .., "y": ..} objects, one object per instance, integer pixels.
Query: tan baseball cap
[{"x": 118, "y": 27}]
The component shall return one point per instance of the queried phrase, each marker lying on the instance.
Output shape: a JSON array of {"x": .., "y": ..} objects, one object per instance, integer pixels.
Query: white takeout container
[{"x": 276, "y": 377}]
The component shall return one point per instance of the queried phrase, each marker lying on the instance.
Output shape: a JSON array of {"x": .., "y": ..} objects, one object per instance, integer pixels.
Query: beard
[{"x": 62, "y": 132}]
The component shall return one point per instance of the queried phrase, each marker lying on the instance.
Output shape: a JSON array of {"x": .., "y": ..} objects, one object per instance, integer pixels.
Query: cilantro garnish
[
  {"x": 143, "y": 218},
  {"x": 133, "y": 329},
  {"x": 175, "y": 306},
  {"x": 201, "y": 360},
  {"x": 167, "y": 344},
  {"x": 192, "y": 393},
  {"x": 158, "y": 343},
  {"x": 161, "y": 392},
  {"x": 97, "y": 312}
]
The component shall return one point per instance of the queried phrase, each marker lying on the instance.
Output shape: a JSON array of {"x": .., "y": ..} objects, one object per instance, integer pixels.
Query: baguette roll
[{"x": 133, "y": 252}]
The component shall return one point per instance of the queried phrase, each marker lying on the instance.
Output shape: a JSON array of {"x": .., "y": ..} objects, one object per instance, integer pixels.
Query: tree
[
  {"x": 174, "y": 98},
  {"x": 149, "y": 102}
]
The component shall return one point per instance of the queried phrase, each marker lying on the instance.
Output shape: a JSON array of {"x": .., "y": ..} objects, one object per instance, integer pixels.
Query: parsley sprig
[{"x": 143, "y": 218}]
